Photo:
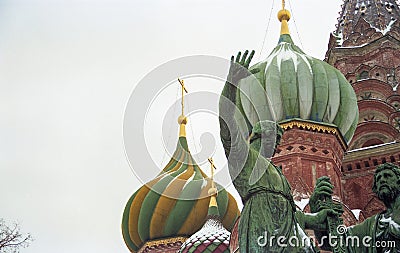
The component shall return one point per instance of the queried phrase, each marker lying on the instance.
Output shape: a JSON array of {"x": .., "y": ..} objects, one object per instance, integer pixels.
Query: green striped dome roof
[
  {"x": 298, "y": 86},
  {"x": 151, "y": 213}
]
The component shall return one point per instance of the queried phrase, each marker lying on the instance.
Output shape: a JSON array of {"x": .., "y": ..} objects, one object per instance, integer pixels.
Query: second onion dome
[{"x": 176, "y": 202}]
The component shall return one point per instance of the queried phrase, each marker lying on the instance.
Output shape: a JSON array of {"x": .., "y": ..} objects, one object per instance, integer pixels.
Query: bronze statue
[
  {"x": 379, "y": 233},
  {"x": 269, "y": 221}
]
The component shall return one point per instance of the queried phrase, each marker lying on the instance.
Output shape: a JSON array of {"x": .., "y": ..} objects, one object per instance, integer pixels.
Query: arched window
[
  {"x": 364, "y": 75},
  {"x": 372, "y": 142}
]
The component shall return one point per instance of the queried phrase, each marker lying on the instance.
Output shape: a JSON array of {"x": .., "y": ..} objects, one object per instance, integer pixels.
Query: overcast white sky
[{"x": 67, "y": 69}]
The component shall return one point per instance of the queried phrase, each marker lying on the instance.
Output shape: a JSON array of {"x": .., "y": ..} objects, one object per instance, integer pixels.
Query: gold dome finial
[
  {"x": 284, "y": 17},
  {"x": 213, "y": 190},
  {"x": 182, "y": 120}
]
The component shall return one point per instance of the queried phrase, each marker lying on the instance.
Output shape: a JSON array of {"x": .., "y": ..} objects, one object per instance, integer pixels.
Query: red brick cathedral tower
[{"x": 365, "y": 48}]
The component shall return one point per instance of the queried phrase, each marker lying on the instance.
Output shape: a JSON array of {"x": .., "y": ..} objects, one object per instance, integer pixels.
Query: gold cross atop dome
[
  {"x": 213, "y": 190},
  {"x": 182, "y": 120},
  {"x": 284, "y": 17},
  {"x": 213, "y": 168},
  {"x": 183, "y": 94}
]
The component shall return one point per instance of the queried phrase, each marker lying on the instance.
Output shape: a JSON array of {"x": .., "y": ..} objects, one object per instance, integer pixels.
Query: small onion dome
[
  {"x": 175, "y": 203},
  {"x": 212, "y": 237},
  {"x": 298, "y": 86}
]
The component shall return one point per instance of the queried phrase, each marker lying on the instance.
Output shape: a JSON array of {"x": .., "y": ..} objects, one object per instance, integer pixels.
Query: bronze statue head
[
  {"x": 265, "y": 137},
  {"x": 387, "y": 182}
]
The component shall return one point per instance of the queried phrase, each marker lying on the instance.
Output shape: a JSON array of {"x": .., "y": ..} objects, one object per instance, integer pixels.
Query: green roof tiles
[{"x": 291, "y": 84}]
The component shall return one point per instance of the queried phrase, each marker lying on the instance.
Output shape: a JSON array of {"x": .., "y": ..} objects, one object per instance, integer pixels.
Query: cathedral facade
[
  {"x": 331, "y": 138},
  {"x": 365, "y": 48}
]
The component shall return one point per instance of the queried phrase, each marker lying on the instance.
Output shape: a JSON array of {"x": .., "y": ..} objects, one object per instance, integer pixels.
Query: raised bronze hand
[
  {"x": 239, "y": 67},
  {"x": 227, "y": 104}
]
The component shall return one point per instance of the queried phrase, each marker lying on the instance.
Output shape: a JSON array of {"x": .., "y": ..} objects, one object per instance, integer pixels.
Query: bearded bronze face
[{"x": 387, "y": 182}]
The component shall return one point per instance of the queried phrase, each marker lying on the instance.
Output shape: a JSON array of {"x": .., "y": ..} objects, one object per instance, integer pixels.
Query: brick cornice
[
  {"x": 378, "y": 150},
  {"x": 346, "y": 52},
  {"x": 315, "y": 127},
  {"x": 162, "y": 244}
]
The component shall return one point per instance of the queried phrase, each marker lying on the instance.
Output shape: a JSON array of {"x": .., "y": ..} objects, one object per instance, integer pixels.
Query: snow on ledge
[
  {"x": 356, "y": 213},
  {"x": 301, "y": 203}
]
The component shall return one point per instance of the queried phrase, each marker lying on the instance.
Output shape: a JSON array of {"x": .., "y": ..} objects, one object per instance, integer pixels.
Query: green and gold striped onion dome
[
  {"x": 298, "y": 86},
  {"x": 151, "y": 213}
]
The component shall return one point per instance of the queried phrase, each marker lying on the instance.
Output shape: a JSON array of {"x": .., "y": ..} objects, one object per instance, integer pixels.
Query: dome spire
[
  {"x": 212, "y": 237},
  {"x": 213, "y": 206},
  {"x": 284, "y": 17},
  {"x": 182, "y": 120}
]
